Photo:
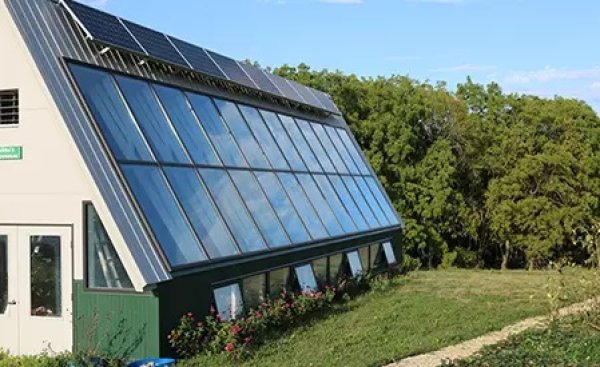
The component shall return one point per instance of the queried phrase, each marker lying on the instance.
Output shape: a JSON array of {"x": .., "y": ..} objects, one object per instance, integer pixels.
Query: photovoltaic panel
[
  {"x": 156, "y": 44},
  {"x": 326, "y": 101},
  {"x": 103, "y": 27},
  {"x": 260, "y": 79},
  {"x": 285, "y": 88},
  {"x": 306, "y": 94},
  {"x": 198, "y": 58},
  {"x": 232, "y": 69}
]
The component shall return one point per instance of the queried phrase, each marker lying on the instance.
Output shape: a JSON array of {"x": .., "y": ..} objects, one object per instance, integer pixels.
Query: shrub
[{"x": 410, "y": 263}]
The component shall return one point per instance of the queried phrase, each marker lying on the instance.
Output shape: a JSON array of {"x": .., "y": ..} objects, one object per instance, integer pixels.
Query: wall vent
[{"x": 9, "y": 107}]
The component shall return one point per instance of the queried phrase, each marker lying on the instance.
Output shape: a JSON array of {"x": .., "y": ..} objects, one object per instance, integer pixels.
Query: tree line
[{"x": 482, "y": 178}]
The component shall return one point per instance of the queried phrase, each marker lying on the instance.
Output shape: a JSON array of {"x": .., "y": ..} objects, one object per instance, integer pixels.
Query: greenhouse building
[{"x": 144, "y": 177}]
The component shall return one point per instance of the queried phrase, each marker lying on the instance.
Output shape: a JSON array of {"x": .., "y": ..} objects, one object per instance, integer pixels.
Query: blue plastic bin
[{"x": 153, "y": 362}]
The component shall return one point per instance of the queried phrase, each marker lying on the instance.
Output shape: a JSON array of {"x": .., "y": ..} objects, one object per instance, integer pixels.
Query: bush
[
  {"x": 59, "y": 360},
  {"x": 410, "y": 263},
  {"x": 467, "y": 259}
]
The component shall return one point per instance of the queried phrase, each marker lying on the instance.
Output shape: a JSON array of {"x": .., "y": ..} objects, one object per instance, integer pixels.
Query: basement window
[
  {"x": 306, "y": 278},
  {"x": 355, "y": 264},
  {"x": 9, "y": 107},
  {"x": 229, "y": 301},
  {"x": 389, "y": 253}
]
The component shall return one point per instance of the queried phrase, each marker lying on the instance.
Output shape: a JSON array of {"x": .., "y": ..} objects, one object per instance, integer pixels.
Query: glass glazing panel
[
  {"x": 217, "y": 131},
  {"x": 254, "y": 290},
  {"x": 373, "y": 203},
  {"x": 260, "y": 208},
  {"x": 201, "y": 212},
  {"x": 320, "y": 204},
  {"x": 364, "y": 257},
  {"x": 315, "y": 144},
  {"x": 383, "y": 203},
  {"x": 389, "y": 253},
  {"x": 306, "y": 278},
  {"x": 45, "y": 276},
  {"x": 187, "y": 126},
  {"x": 361, "y": 202},
  {"x": 237, "y": 217},
  {"x": 279, "y": 280},
  {"x": 116, "y": 124},
  {"x": 353, "y": 150},
  {"x": 286, "y": 145},
  {"x": 152, "y": 121},
  {"x": 335, "y": 203},
  {"x": 229, "y": 301},
  {"x": 162, "y": 213},
  {"x": 335, "y": 267},
  {"x": 283, "y": 206},
  {"x": 305, "y": 209},
  {"x": 355, "y": 263},
  {"x": 3, "y": 273},
  {"x": 238, "y": 127},
  {"x": 335, "y": 138},
  {"x": 320, "y": 270},
  {"x": 305, "y": 151},
  {"x": 330, "y": 149},
  {"x": 349, "y": 203},
  {"x": 264, "y": 137},
  {"x": 104, "y": 267},
  {"x": 374, "y": 260}
]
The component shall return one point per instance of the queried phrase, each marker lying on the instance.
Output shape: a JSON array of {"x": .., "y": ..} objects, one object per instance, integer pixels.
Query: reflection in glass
[
  {"x": 373, "y": 203},
  {"x": 216, "y": 130},
  {"x": 342, "y": 150},
  {"x": 320, "y": 204},
  {"x": 264, "y": 137},
  {"x": 389, "y": 253},
  {"x": 152, "y": 120},
  {"x": 349, "y": 203},
  {"x": 254, "y": 290},
  {"x": 259, "y": 207},
  {"x": 162, "y": 213},
  {"x": 286, "y": 145},
  {"x": 283, "y": 206},
  {"x": 355, "y": 264},
  {"x": 379, "y": 195},
  {"x": 45, "y": 276},
  {"x": 320, "y": 270},
  {"x": 229, "y": 301},
  {"x": 330, "y": 149},
  {"x": 298, "y": 139},
  {"x": 116, "y": 124},
  {"x": 201, "y": 211},
  {"x": 335, "y": 267},
  {"x": 243, "y": 135},
  {"x": 223, "y": 192},
  {"x": 187, "y": 125},
  {"x": 306, "y": 278},
  {"x": 315, "y": 144},
  {"x": 374, "y": 257},
  {"x": 334, "y": 202},
  {"x": 353, "y": 151},
  {"x": 360, "y": 201},
  {"x": 3, "y": 273},
  {"x": 104, "y": 267},
  {"x": 279, "y": 280},
  {"x": 364, "y": 257}
]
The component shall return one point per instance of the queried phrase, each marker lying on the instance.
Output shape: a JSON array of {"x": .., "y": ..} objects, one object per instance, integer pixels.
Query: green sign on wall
[{"x": 11, "y": 153}]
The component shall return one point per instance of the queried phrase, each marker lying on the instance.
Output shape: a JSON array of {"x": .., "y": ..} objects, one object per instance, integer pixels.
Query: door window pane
[
  {"x": 45, "y": 276},
  {"x": 315, "y": 144},
  {"x": 254, "y": 155},
  {"x": 373, "y": 203},
  {"x": 283, "y": 206},
  {"x": 188, "y": 127},
  {"x": 349, "y": 203},
  {"x": 335, "y": 203},
  {"x": 104, "y": 267},
  {"x": 360, "y": 201},
  {"x": 342, "y": 150},
  {"x": 254, "y": 290},
  {"x": 305, "y": 151},
  {"x": 260, "y": 208},
  {"x": 379, "y": 195},
  {"x": 233, "y": 210},
  {"x": 116, "y": 124},
  {"x": 389, "y": 253},
  {"x": 201, "y": 211},
  {"x": 3, "y": 273},
  {"x": 355, "y": 264},
  {"x": 330, "y": 149},
  {"x": 229, "y": 301},
  {"x": 320, "y": 204},
  {"x": 306, "y": 278},
  {"x": 320, "y": 269},
  {"x": 216, "y": 130},
  {"x": 305, "y": 209},
  {"x": 152, "y": 120},
  {"x": 264, "y": 137},
  {"x": 162, "y": 213},
  {"x": 287, "y": 147},
  {"x": 279, "y": 280},
  {"x": 353, "y": 150}
]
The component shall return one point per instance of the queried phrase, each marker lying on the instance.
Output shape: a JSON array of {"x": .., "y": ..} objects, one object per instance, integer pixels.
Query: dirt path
[{"x": 471, "y": 347}]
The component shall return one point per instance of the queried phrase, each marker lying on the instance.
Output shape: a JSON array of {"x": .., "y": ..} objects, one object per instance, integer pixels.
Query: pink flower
[
  {"x": 229, "y": 347},
  {"x": 189, "y": 314},
  {"x": 235, "y": 329},
  {"x": 212, "y": 310},
  {"x": 200, "y": 324},
  {"x": 258, "y": 315}
]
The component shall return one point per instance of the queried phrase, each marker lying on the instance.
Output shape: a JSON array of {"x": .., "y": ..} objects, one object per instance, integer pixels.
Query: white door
[
  {"x": 40, "y": 282},
  {"x": 9, "y": 316}
]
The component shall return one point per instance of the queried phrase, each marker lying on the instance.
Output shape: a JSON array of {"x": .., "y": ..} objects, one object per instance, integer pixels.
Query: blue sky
[{"x": 542, "y": 47}]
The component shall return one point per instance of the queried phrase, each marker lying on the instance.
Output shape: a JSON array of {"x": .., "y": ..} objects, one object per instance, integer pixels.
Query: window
[
  {"x": 3, "y": 274},
  {"x": 315, "y": 144},
  {"x": 305, "y": 151},
  {"x": 284, "y": 141},
  {"x": 320, "y": 269},
  {"x": 389, "y": 253},
  {"x": 306, "y": 278},
  {"x": 335, "y": 203},
  {"x": 279, "y": 280},
  {"x": 321, "y": 205},
  {"x": 229, "y": 301},
  {"x": 254, "y": 290},
  {"x": 364, "y": 257},
  {"x": 104, "y": 267},
  {"x": 342, "y": 150},
  {"x": 371, "y": 200},
  {"x": 45, "y": 276},
  {"x": 264, "y": 137},
  {"x": 330, "y": 149},
  {"x": 349, "y": 203},
  {"x": 164, "y": 216},
  {"x": 354, "y": 261},
  {"x": 9, "y": 107},
  {"x": 359, "y": 199}
]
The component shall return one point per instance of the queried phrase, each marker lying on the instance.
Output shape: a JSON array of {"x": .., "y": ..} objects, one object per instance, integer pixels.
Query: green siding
[{"x": 115, "y": 324}]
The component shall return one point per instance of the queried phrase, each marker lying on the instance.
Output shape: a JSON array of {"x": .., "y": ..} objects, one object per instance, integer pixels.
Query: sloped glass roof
[{"x": 214, "y": 178}]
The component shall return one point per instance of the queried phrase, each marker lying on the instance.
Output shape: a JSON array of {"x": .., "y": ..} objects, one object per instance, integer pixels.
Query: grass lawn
[{"x": 425, "y": 312}]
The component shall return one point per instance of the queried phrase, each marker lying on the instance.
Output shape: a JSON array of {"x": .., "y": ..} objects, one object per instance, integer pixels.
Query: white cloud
[
  {"x": 550, "y": 74},
  {"x": 465, "y": 68}
]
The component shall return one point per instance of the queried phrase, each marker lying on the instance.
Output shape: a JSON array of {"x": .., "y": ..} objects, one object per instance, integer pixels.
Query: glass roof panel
[
  {"x": 360, "y": 201},
  {"x": 353, "y": 150},
  {"x": 264, "y": 137},
  {"x": 341, "y": 149},
  {"x": 320, "y": 204},
  {"x": 286, "y": 145},
  {"x": 335, "y": 203},
  {"x": 380, "y": 196},
  {"x": 373, "y": 203},
  {"x": 305, "y": 151},
  {"x": 315, "y": 144},
  {"x": 349, "y": 202},
  {"x": 330, "y": 149}
]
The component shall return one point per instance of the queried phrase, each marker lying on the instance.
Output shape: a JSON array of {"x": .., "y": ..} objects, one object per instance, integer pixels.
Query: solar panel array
[{"x": 115, "y": 32}]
